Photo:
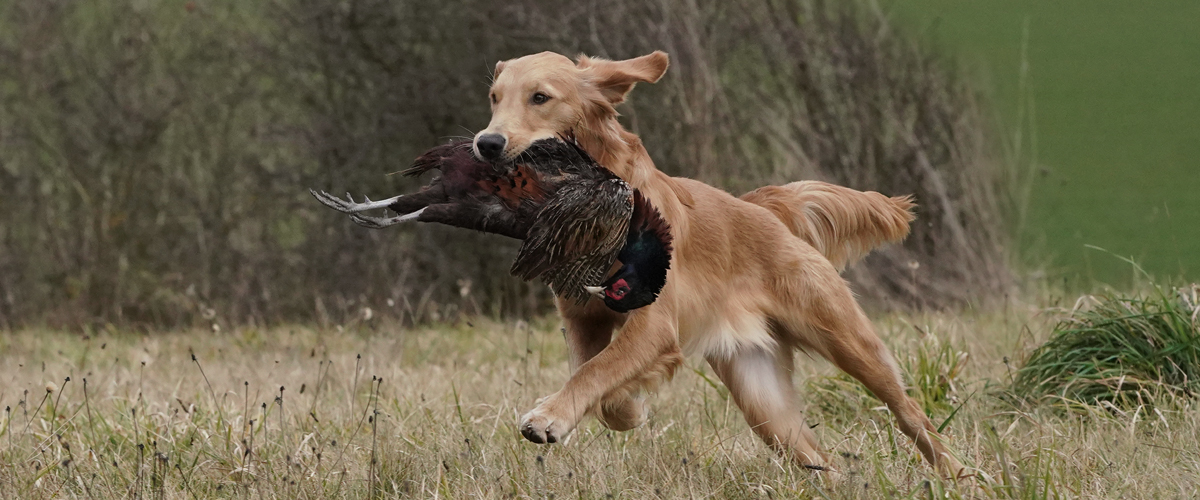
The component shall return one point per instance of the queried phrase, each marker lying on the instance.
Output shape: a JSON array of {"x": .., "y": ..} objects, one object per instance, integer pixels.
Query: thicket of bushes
[{"x": 154, "y": 156}]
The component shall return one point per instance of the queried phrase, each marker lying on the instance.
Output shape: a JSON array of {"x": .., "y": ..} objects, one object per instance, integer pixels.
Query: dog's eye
[
  {"x": 493, "y": 96},
  {"x": 539, "y": 98}
]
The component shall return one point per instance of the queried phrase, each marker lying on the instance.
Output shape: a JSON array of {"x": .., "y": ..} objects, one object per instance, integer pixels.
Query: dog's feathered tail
[{"x": 843, "y": 224}]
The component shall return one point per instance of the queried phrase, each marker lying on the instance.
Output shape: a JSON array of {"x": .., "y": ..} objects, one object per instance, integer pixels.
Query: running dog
[{"x": 753, "y": 279}]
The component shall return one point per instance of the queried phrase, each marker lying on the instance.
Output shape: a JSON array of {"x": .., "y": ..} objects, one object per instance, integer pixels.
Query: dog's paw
[{"x": 542, "y": 426}]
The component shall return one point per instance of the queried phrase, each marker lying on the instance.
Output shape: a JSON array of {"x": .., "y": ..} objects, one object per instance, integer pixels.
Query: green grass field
[
  {"x": 431, "y": 413},
  {"x": 1109, "y": 113}
]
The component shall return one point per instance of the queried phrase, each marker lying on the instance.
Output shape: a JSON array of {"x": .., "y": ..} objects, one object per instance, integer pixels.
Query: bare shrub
[{"x": 154, "y": 156}]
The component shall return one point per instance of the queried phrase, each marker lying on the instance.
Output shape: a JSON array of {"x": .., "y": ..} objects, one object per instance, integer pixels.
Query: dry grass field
[{"x": 379, "y": 410}]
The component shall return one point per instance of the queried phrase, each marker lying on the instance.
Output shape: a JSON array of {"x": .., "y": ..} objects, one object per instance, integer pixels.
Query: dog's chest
[{"x": 723, "y": 331}]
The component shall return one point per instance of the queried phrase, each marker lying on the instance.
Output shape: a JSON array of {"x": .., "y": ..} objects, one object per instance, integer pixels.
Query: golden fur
[
  {"x": 843, "y": 224},
  {"x": 751, "y": 279}
]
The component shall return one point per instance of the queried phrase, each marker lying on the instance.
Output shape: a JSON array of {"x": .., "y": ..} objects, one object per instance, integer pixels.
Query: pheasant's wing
[
  {"x": 434, "y": 158},
  {"x": 569, "y": 279},
  {"x": 582, "y": 226}
]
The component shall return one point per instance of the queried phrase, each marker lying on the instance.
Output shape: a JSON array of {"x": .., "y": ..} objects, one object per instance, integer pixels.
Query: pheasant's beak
[{"x": 595, "y": 290}]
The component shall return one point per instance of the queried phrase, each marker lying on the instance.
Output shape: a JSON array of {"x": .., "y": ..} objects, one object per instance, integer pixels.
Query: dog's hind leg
[
  {"x": 814, "y": 307},
  {"x": 760, "y": 381},
  {"x": 846, "y": 337}
]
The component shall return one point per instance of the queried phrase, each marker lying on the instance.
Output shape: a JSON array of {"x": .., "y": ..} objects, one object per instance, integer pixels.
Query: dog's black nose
[{"x": 490, "y": 146}]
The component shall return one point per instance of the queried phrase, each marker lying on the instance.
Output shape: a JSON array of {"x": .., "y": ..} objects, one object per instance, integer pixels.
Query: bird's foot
[
  {"x": 349, "y": 206},
  {"x": 381, "y": 222}
]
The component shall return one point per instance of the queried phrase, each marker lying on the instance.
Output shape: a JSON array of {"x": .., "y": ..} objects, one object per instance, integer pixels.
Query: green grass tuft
[{"x": 1124, "y": 351}]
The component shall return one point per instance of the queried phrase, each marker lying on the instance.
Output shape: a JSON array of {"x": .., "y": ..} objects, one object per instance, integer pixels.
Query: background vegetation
[{"x": 154, "y": 156}]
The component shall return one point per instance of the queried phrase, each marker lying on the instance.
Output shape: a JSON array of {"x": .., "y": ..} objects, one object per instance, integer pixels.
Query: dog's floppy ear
[
  {"x": 614, "y": 79},
  {"x": 499, "y": 68}
]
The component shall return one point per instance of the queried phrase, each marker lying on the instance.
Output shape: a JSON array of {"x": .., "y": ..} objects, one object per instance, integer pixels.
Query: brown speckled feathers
[
  {"x": 577, "y": 236},
  {"x": 581, "y": 227}
]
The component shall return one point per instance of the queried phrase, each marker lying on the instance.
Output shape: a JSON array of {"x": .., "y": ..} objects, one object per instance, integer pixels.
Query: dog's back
[{"x": 843, "y": 224}]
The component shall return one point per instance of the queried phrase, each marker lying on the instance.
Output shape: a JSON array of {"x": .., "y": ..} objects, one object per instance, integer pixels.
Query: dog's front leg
[
  {"x": 644, "y": 352},
  {"x": 588, "y": 330}
]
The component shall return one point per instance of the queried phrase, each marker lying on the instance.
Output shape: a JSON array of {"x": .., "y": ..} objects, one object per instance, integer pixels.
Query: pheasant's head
[{"x": 615, "y": 291}]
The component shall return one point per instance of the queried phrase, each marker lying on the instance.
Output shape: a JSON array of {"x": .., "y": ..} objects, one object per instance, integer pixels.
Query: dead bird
[{"x": 572, "y": 214}]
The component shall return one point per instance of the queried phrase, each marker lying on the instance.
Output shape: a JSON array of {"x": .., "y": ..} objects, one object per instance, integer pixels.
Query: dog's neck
[
  {"x": 622, "y": 152},
  {"x": 617, "y": 149}
]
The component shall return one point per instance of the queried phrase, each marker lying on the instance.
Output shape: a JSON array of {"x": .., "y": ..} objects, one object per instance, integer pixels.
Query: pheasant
[{"x": 573, "y": 215}]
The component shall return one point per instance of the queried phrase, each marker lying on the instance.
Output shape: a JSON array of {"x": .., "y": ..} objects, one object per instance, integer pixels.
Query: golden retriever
[{"x": 752, "y": 279}]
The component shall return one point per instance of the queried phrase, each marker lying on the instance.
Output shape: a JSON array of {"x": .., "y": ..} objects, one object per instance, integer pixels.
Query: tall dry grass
[
  {"x": 154, "y": 156},
  {"x": 384, "y": 411}
]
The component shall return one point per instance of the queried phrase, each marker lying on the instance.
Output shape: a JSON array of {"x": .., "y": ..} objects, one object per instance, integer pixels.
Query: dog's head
[{"x": 547, "y": 95}]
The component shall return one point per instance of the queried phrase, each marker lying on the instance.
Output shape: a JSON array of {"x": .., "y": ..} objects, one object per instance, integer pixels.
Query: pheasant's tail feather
[{"x": 843, "y": 224}]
